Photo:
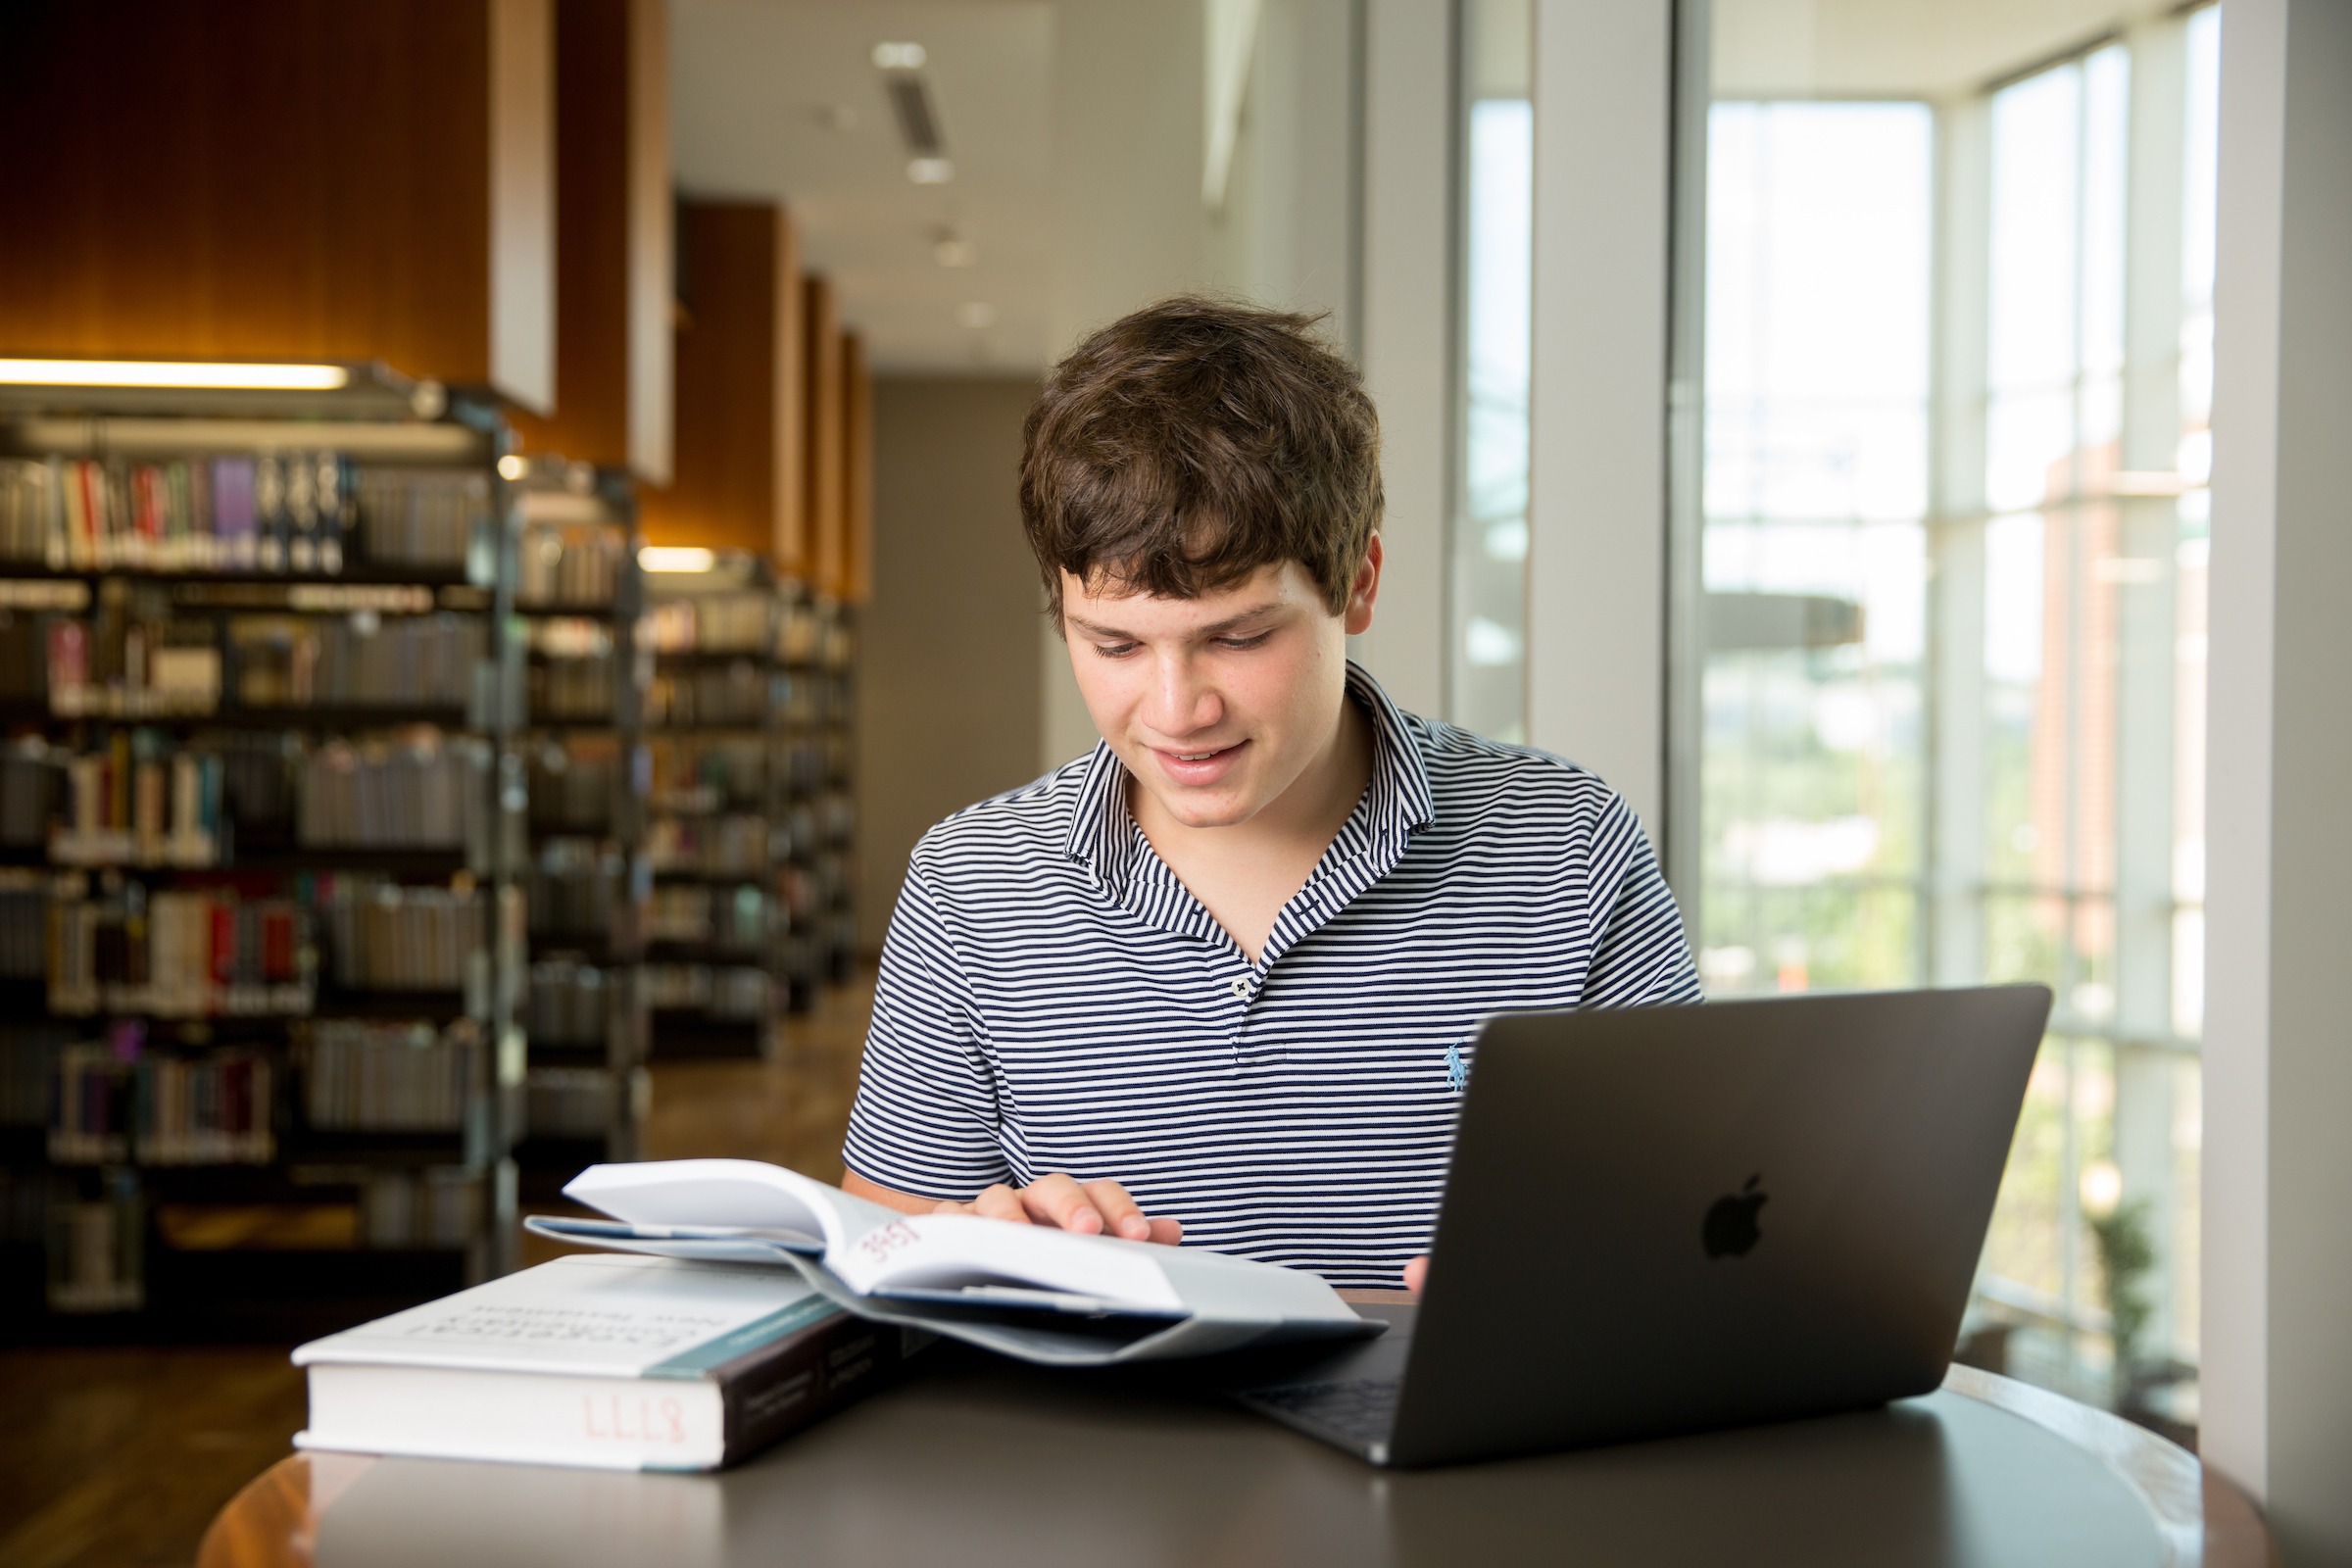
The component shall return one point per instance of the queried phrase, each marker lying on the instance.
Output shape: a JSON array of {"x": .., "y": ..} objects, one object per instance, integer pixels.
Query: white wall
[
  {"x": 948, "y": 684},
  {"x": 2277, "y": 1389},
  {"x": 1129, "y": 134},
  {"x": 1597, "y": 552},
  {"x": 1407, "y": 332}
]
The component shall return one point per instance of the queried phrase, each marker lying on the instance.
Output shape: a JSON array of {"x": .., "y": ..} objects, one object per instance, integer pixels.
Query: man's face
[{"x": 1217, "y": 705}]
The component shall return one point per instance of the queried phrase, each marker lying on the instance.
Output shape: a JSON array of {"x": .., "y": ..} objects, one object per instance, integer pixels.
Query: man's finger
[
  {"x": 1416, "y": 1274},
  {"x": 1120, "y": 1216},
  {"x": 1166, "y": 1232},
  {"x": 1000, "y": 1202},
  {"x": 947, "y": 1206},
  {"x": 1058, "y": 1200}
]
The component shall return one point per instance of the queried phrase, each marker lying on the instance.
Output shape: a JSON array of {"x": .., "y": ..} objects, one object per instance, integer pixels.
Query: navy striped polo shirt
[{"x": 1052, "y": 999}]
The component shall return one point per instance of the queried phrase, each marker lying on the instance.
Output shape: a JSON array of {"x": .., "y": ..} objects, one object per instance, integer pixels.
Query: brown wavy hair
[{"x": 1181, "y": 448}]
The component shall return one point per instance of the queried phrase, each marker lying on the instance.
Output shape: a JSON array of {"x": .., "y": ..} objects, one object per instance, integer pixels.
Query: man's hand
[
  {"x": 1090, "y": 1209},
  {"x": 1416, "y": 1273}
]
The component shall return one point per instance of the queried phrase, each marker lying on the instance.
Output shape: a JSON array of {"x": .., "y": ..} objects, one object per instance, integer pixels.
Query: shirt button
[{"x": 1241, "y": 988}]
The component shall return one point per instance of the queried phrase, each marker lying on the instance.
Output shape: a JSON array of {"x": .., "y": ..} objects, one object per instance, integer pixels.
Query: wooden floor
[{"x": 118, "y": 1458}]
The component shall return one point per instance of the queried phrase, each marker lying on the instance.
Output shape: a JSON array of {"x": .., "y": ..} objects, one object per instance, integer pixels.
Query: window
[{"x": 1947, "y": 548}]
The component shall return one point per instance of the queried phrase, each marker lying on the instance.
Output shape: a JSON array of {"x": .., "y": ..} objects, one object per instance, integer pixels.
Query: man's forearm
[{"x": 857, "y": 1186}]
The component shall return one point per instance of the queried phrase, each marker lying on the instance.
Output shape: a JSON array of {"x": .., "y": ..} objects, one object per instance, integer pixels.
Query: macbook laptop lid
[{"x": 1670, "y": 1219}]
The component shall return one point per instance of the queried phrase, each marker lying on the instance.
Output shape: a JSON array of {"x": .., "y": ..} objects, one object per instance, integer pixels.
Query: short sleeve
[
  {"x": 925, "y": 1120},
  {"x": 1642, "y": 955}
]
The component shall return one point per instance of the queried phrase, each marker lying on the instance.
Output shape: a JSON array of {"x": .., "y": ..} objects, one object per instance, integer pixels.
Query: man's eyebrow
[{"x": 1213, "y": 629}]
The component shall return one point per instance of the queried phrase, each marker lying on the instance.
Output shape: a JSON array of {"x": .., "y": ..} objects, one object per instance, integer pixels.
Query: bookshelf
[
  {"x": 817, "y": 649},
  {"x": 263, "y": 936},
  {"x": 579, "y": 598},
  {"x": 720, "y": 800}
]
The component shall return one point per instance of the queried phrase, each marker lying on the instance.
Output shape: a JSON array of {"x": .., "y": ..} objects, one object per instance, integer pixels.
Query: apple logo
[{"x": 1731, "y": 1229}]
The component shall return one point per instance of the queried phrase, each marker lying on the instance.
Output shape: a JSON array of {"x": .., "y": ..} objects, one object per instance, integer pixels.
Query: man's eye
[
  {"x": 1114, "y": 650},
  {"x": 1252, "y": 640}
]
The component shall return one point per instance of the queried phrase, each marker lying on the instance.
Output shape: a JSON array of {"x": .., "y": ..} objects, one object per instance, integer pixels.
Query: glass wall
[
  {"x": 1945, "y": 543},
  {"x": 1487, "y": 662}
]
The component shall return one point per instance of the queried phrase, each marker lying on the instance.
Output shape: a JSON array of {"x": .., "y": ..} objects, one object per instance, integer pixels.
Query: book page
[
  {"x": 963, "y": 1252},
  {"x": 719, "y": 1192}
]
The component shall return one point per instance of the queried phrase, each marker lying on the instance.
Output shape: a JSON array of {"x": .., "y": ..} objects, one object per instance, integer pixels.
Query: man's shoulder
[
  {"x": 1469, "y": 772},
  {"x": 1030, "y": 821}
]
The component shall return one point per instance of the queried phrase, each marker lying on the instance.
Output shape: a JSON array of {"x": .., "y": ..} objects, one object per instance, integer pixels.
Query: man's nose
[{"x": 1182, "y": 701}]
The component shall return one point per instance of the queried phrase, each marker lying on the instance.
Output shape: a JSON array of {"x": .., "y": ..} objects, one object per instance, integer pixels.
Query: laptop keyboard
[{"x": 1364, "y": 1409}]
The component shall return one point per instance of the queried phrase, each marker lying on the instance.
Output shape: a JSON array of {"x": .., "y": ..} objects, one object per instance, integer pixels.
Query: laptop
[{"x": 1664, "y": 1220}]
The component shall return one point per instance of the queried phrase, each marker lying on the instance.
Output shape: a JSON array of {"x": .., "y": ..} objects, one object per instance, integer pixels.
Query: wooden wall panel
[
  {"x": 613, "y": 241},
  {"x": 281, "y": 179},
  {"x": 827, "y": 523},
  {"x": 857, "y": 470},
  {"x": 737, "y": 481}
]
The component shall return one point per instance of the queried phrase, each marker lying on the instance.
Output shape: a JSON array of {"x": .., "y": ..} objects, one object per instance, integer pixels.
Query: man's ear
[{"x": 1364, "y": 590}]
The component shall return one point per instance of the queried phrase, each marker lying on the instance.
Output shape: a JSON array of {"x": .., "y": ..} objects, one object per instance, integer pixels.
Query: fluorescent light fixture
[
  {"x": 930, "y": 170},
  {"x": 169, "y": 374},
  {"x": 898, "y": 57},
  {"x": 675, "y": 558}
]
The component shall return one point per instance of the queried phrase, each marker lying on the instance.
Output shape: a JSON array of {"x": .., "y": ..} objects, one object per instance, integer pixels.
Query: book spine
[{"x": 798, "y": 1381}]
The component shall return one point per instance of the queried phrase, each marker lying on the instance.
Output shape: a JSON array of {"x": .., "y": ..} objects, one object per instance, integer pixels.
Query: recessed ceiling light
[
  {"x": 898, "y": 57},
  {"x": 930, "y": 170},
  {"x": 172, "y": 374},
  {"x": 675, "y": 558},
  {"x": 976, "y": 315}
]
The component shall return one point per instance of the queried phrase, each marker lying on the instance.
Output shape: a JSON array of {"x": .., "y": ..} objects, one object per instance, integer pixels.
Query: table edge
[{"x": 2202, "y": 1519}]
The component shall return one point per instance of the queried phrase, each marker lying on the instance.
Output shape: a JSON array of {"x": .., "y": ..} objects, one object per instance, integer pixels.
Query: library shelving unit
[
  {"x": 818, "y": 649},
  {"x": 578, "y": 600},
  {"x": 716, "y": 719},
  {"x": 260, "y": 932}
]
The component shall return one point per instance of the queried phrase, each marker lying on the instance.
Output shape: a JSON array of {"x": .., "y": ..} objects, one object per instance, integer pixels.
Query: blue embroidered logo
[{"x": 1457, "y": 1069}]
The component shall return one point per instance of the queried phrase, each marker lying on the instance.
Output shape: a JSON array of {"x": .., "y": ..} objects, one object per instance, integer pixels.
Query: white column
[
  {"x": 1956, "y": 542},
  {"x": 2147, "y": 591},
  {"x": 1597, "y": 556},
  {"x": 1407, "y": 332},
  {"x": 2277, "y": 1166}
]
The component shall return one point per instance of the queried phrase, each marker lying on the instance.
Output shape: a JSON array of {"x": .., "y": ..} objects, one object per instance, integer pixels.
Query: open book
[{"x": 1042, "y": 1295}]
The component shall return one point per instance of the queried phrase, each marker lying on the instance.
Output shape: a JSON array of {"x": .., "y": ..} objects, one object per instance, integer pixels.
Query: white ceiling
[
  {"x": 780, "y": 99},
  {"x": 1930, "y": 48}
]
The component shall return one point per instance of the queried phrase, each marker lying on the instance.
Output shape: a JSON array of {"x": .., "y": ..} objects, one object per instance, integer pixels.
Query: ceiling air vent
[{"x": 911, "y": 102}]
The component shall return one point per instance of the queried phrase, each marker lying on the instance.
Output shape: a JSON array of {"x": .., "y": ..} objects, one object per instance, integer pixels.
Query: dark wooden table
[{"x": 973, "y": 1460}]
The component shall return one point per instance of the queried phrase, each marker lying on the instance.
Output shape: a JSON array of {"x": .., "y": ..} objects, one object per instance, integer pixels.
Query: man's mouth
[{"x": 1199, "y": 764}]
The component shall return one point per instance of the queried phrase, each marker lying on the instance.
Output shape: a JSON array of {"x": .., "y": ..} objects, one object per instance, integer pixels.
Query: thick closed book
[
  {"x": 608, "y": 1360},
  {"x": 1042, "y": 1295}
]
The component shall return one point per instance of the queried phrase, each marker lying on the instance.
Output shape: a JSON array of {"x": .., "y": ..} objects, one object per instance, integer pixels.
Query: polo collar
[{"x": 1105, "y": 838}]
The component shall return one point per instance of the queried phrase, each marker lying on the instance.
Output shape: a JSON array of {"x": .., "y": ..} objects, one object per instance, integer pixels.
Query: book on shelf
[
  {"x": 610, "y": 1361},
  {"x": 575, "y": 565},
  {"x": 429, "y": 792},
  {"x": 372, "y": 1076},
  {"x": 188, "y": 953},
  {"x": 118, "y": 1100},
  {"x": 268, "y": 513},
  {"x": 1048, "y": 1296},
  {"x": 125, "y": 805},
  {"x": 386, "y": 937},
  {"x": 97, "y": 1249}
]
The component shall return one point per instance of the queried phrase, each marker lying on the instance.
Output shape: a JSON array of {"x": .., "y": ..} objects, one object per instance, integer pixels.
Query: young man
[{"x": 1219, "y": 979}]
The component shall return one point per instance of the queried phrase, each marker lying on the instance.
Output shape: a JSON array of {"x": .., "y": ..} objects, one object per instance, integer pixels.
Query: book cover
[{"x": 610, "y": 1361}]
